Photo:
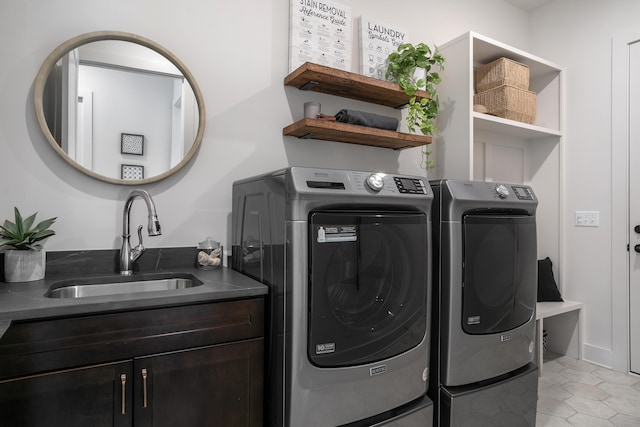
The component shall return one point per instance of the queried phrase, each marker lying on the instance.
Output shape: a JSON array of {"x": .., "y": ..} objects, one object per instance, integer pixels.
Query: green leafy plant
[
  {"x": 22, "y": 235},
  {"x": 427, "y": 162},
  {"x": 422, "y": 111}
]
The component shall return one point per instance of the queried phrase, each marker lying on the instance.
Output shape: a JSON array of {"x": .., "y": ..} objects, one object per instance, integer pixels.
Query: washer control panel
[
  {"x": 376, "y": 182},
  {"x": 409, "y": 185},
  {"x": 359, "y": 182},
  {"x": 387, "y": 184}
]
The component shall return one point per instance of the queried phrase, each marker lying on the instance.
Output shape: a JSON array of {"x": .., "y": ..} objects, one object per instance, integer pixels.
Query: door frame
[{"x": 620, "y": 268}]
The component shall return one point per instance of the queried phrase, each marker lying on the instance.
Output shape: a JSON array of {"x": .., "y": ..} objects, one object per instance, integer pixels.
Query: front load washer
[
  {"x": 344, "y": 255},
  {"x": 485, "y": 285}
]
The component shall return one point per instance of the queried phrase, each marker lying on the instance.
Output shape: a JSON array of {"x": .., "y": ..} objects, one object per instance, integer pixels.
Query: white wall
[
  {"x": 129, "y": 102},
  {"x": 578, "y": 34},
  {"x": 237, "y": 52}
]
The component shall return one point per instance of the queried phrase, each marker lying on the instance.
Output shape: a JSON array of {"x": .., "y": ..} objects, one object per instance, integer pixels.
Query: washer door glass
[
  {"x": 368, "y": 285},
  {"x": 499, "y": 272}
]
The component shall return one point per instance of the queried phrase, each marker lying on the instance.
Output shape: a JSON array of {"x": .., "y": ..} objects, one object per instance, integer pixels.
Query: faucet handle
[{"x": 137, "y": 251}]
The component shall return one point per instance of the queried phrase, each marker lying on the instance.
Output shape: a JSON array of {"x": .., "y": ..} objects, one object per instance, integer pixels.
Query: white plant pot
[
  {"x": 419, "y": 73},
  {"x": 24, "y": 266}
]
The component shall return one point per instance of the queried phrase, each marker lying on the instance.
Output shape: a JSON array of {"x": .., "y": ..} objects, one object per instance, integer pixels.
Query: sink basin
[{"x": 114, "y": 285}]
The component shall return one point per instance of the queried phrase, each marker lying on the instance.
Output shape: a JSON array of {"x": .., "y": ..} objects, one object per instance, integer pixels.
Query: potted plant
[
  {"x": 414, "y": 68},
  {"x": 26, "y": 261}
]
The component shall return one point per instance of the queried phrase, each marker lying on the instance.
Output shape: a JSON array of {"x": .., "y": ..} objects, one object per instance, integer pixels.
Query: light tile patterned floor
[{"x": 576, "y": 393}]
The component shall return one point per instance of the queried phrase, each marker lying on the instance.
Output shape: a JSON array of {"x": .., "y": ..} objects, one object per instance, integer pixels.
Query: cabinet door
[
  {"x": 91, "y": 396},
  {"x": 219, "y": 385}
]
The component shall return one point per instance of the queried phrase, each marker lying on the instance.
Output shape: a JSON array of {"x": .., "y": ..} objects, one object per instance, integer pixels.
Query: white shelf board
[
  {"x": 486, "y": 50},
  {"x": 548, "y": 309},
  {"x": 489, "y": 123}
]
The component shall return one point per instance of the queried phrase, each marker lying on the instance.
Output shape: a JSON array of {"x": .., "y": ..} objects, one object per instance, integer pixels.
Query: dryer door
[
  {"x": 499, "y": 272},
  {"x": 368, "y": 285}
]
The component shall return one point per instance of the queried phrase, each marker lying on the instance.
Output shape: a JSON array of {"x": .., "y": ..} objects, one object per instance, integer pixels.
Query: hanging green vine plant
[{"x": 421, "y": 112}]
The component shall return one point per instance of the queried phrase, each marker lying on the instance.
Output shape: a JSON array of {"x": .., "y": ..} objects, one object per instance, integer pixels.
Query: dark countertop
[{"x": 26, "y": 300}]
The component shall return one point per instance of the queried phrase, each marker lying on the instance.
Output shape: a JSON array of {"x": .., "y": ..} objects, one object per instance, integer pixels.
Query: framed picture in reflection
[
  {"x": 131, "y": 144},
  {"x": 131, "y": 171}
]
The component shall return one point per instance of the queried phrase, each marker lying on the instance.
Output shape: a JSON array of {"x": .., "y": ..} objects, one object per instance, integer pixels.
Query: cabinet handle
[
  {"x": 123, "y": 380},
  {"x": 144, "y": 388}
]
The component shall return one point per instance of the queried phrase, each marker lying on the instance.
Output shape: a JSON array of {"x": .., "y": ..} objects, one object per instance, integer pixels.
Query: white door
[
  {"x": 84, "y": 131},
  {"x": 634, "y": 206}
]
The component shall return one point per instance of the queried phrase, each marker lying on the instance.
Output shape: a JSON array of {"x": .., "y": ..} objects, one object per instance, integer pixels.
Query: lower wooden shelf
[{"x": 354, "y": 134}]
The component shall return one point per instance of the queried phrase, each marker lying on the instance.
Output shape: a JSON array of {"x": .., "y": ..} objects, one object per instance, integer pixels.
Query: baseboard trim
[{"x": 597, "y": 355}]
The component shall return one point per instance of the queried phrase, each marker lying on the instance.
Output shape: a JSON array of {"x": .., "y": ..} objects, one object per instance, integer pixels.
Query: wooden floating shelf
[
  {"x": 329, "y": 80},
  {"x": 354, "y": 134}
]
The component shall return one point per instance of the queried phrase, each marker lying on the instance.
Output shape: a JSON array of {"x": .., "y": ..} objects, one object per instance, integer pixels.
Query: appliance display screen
[
  {"x": 522, "y": 193},
  {"x": 408, "y": 184}
]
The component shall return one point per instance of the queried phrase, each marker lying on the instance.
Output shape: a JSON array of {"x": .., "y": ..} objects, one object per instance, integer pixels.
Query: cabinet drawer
[{"x": 43, "y": 345}]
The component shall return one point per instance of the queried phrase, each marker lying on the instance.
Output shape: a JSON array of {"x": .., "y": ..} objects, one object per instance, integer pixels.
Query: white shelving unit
[
  {"x": 461, "y": 129},
  {"x": 477, "y": 146}
]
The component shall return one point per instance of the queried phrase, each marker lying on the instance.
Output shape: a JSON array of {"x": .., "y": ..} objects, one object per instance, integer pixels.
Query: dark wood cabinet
[
  {"x": 198, "y": 365},
  {"x": 213, "y": 386},
  {"x": 91, "y": 396}
]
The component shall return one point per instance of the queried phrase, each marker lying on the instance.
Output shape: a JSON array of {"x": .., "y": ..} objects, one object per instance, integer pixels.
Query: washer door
[
  {"x": 499, "y": 272},
  {"x": 368, "y": 285}
]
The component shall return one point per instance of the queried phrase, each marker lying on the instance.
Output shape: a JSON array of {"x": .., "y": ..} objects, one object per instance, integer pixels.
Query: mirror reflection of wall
[
  {"x": 128, "y": 102},
  {"x": 100, "y": 90}
]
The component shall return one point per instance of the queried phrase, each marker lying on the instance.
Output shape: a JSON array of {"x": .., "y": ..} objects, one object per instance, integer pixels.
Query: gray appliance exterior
[
  {"x": 507, "y": 402},
  {"x": 477, "y": 379},
  {"x": 417, "y": 415},
  {"x": 297, "y": 392},
  {"x": 466, "y": 358}
]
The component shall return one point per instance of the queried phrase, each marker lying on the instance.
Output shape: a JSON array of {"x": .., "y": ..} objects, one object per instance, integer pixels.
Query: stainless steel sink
[{"x": 113, "y": 285}]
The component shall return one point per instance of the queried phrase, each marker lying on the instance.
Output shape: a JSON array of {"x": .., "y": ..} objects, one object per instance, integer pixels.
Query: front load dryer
[
  {"x": 344, "y": 255},
  {"x": 485, "y": 285}
]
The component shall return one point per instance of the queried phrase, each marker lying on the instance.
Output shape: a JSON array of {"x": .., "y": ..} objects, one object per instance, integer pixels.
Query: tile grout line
[{"x": 565, "y": 378}]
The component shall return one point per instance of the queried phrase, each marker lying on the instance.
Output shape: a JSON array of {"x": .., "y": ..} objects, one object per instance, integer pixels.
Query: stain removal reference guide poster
[{"x": 320, "y": 32}]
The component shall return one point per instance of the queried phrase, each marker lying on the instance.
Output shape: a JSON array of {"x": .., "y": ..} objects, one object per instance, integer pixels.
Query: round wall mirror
[{"x": 119, "y": 108}]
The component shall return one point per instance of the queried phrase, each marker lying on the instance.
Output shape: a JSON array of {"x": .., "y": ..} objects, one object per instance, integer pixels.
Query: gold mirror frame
[{"x": 63, "y": 49}]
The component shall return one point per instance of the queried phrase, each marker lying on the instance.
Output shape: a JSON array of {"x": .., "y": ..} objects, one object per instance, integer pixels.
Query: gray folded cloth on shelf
[{"x": 367, "y": 119}]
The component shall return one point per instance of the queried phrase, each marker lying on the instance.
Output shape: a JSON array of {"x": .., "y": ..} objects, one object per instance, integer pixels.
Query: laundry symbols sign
[{"x": 377, "y": 41}]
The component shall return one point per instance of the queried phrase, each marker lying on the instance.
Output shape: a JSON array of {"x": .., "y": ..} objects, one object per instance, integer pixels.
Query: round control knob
[
  {"x": 375, "y": 181},
  {"x": 502, "y": 191}
]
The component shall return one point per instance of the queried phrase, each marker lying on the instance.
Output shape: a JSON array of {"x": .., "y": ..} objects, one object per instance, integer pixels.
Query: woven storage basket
[
  {"x": 509, "y": 102},
  {"x": 503, "y": 71}
]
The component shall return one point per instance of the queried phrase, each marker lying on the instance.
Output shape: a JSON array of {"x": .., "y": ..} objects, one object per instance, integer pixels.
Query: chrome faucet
[{"x": 128, "y": 255}]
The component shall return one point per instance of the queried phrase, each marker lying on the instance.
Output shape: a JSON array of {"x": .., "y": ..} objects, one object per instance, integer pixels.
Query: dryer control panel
[
  {"x": 522, "y": 192},
  {"x": 487, "y": 191}
]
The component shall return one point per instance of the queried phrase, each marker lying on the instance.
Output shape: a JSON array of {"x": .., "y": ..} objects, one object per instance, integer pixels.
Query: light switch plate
[{"x": 587, "y": 218}]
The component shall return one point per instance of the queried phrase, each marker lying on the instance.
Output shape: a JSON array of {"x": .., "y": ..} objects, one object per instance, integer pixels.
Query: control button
[
  {"x": 502, "y": 191},
  {"x": 375, "y": 181}
]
